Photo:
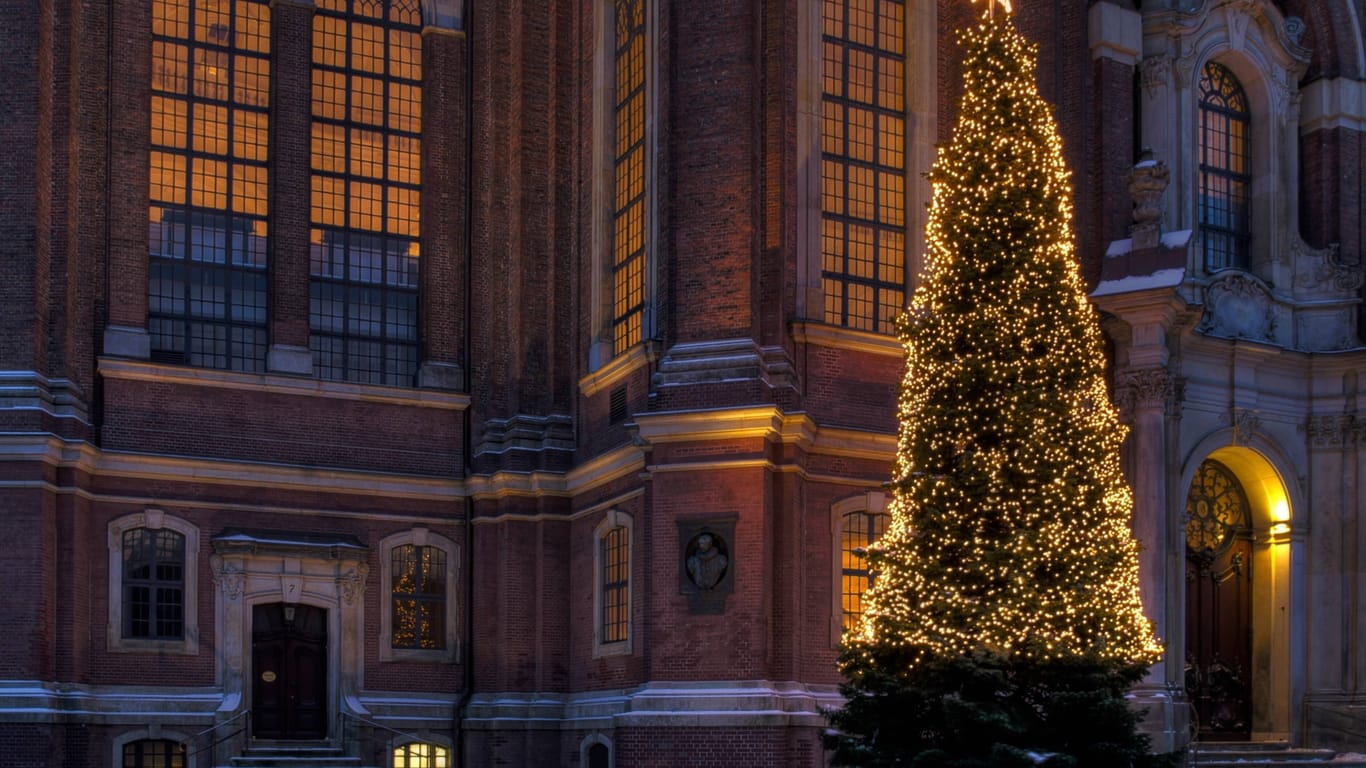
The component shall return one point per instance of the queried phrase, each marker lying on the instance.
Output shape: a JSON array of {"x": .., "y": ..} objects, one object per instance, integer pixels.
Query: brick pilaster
[
  {"x": 445, "y": 187},
  {"x": 291, "y": 27}
]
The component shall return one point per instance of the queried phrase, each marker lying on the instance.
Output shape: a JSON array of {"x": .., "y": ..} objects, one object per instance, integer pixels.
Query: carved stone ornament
[
  {"x": 1147, "y": 181},
  {"x": 1238, "y": 306},
  {"x": 1322, "y": 269},
  {"x": 1184, "y": 68},
  {"x": 1144, "y": 388},
  {"x": 1153, "y": 72},
  {"x": 1245, "y": 425},
  {"x": 1294, "y": 29},
  {"x": 1237, "y": 25},
  {"x": 706, "y": 563},
  {"x": 351, "y": 584},
  {"x": 1332, "y": 431},
  {"x": 229, "y": 577}
]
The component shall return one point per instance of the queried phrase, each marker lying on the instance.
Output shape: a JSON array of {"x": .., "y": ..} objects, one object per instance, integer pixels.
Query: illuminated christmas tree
[{"x": 1004, "y": 625}]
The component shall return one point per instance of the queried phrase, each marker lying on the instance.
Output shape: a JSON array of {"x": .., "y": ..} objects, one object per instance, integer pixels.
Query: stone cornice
[
  {"x": 1333, "y": 103},
  {"x": 300, "y": 386},
  {"x": 86, "y": 458},
  {"x": 823, "y": 335},
  {"x": 618, "y": 369}
]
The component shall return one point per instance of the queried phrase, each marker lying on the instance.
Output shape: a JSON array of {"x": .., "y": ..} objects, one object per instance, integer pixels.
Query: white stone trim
[
  {"x": 1333, "y": 103},
  {"x": 336, "y": 583},
  {"x": 324, "y": 389},
  {"x": 1115, "y": 33},
  {"x": 422, "y": 537},
  {"x": 699, "y": 704},
  {"x": 153, "y": 519}
]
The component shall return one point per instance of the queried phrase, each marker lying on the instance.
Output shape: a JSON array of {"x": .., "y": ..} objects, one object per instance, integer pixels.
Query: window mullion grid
[
  {"x": 223, "y": 219},
  {"x": 846, "y": 277},
  {"x": 390, "y": 367}
]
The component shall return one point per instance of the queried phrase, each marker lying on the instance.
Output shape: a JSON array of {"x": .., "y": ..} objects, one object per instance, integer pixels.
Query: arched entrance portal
[
  {"x": 1244, "y": 564},
  {"x": 1219, "y": 603}
]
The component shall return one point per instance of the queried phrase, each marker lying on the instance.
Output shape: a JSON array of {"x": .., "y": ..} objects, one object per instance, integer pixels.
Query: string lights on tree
[
  {"x": 991, "y": 7},
  {"x": 1005, "y": 623}
]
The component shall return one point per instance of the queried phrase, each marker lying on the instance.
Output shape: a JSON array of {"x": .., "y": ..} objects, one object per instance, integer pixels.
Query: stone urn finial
[{"x": 1147, "y": 181}]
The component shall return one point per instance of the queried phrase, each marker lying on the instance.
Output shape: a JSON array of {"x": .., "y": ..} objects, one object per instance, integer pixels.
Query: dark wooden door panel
[{"x": 289, "y": 662}]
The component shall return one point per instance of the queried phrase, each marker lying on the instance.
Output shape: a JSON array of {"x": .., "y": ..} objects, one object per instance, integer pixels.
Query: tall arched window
[
  {"x": 630, "y": 194},
  {"x": 1225, "y": 173},
  {"x": 207, "y": 216},
  {"x": 863, "y": 163},
  {"x": 366, "y": 182},
  {"x": 860, "y": 530},
  {"x": 612, "y": 584}
]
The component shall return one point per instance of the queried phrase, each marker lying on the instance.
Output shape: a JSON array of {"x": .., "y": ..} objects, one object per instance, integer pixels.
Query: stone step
[
  {"x": 294, "y": 756},
  {"x": 1267, "y": 755}
]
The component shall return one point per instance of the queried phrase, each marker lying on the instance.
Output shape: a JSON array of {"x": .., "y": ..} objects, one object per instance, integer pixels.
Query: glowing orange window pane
[
  {"x": 168, "y": 178},
  {"x": 170, "y": 18},
  {"x": 168, "y": 122},
  {"x": 210, "y": 129},
  {"x": 863, "y": 160}
]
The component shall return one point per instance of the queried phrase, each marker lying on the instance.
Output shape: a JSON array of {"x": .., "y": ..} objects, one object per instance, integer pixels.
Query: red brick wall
[
  {"x": 711, "y": 197},
  {"x": 35, "y": 745},
  {"x": 27, "y": 647},
  {"x": 246, "y": 425},
  {"x": 25, "y": 101}
]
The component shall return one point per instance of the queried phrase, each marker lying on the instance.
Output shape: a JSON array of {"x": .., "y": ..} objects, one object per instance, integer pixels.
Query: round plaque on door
[{"x": 268, "y": 676}]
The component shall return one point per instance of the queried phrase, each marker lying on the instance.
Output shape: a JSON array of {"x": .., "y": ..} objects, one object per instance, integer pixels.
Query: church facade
[{"x": 451, "y": 383}]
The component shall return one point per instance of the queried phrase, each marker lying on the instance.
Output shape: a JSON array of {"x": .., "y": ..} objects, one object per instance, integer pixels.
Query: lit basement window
[{"x": 421, "y": 756}]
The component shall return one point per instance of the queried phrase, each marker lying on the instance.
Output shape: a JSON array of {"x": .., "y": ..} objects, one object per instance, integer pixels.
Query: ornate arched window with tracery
[{"x": 1225, "y": 168}]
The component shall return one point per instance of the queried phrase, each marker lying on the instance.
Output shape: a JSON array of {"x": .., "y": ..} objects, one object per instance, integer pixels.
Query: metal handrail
[
  {"x": 244, "y": 715},
  {"x": 381, "y": 726}
]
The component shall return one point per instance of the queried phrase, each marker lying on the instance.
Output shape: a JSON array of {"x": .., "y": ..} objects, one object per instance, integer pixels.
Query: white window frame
[
  {"x": 614, "y": 518},
  {"x": 155, "y": 520},
  {"x": 418, "y": 536}
]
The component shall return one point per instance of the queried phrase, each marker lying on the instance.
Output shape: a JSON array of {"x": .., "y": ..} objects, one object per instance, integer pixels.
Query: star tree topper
[{"x": 991, "y": 7}]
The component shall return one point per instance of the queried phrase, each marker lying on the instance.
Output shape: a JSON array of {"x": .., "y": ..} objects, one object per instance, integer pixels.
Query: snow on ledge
[
  {"x": 1162, "y": 278},
  {"x": 1170, "y": 240}
]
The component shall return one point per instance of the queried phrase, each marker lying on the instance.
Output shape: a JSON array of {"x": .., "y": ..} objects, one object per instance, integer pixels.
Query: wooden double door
[
  {"x": 289, "y": 667},
  {"x": 1219, "y": 604}
]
